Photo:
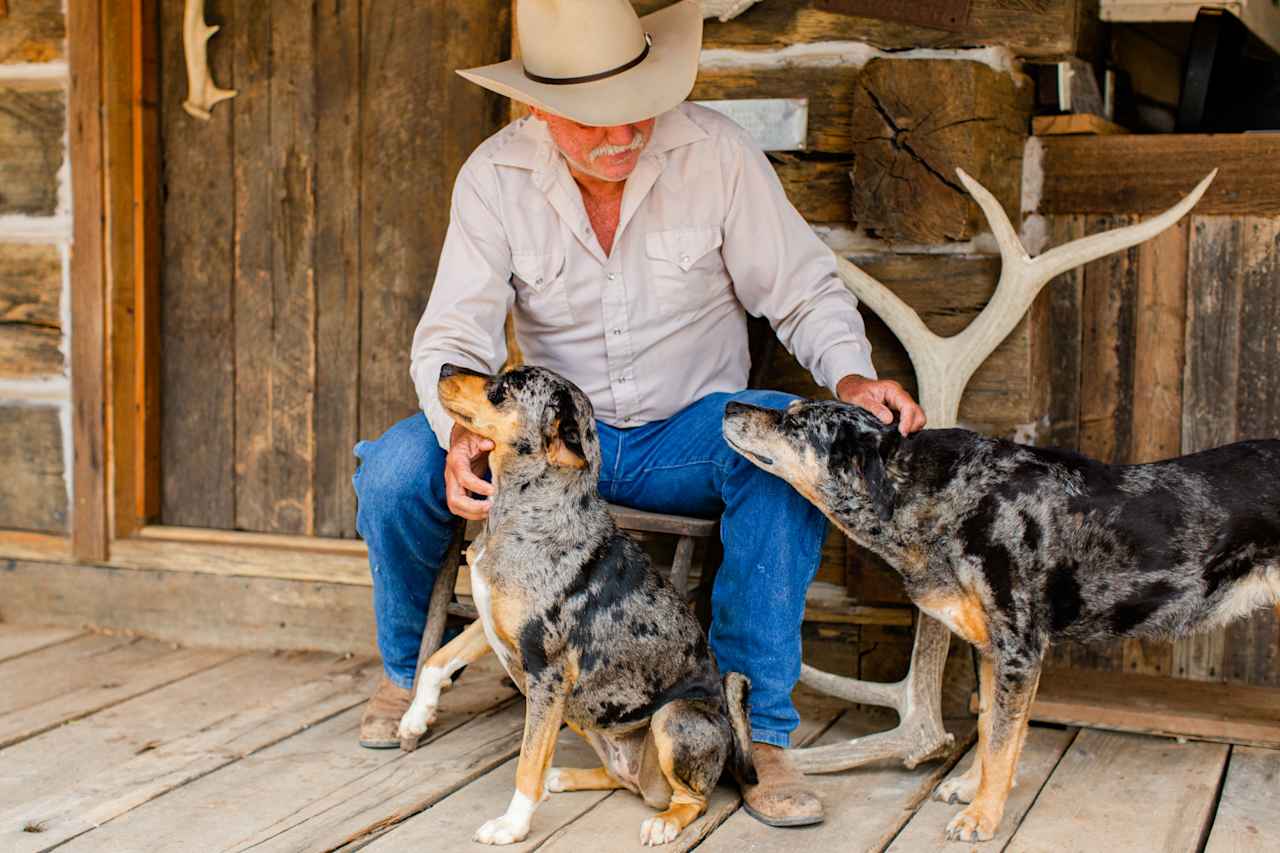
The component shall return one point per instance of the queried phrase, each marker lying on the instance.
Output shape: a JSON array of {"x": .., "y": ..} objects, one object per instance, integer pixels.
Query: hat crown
[{"x": 577, "y": 38}]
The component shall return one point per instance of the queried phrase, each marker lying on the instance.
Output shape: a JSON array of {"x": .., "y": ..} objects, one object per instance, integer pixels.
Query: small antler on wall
[
  {"x": 725, "y": 10},
  {"x": 202, "y": 94}
]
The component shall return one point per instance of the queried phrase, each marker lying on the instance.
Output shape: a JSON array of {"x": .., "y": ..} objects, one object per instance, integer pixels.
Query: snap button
[
  {"x": 538, "y": 280},
  {"x": 612, "y": 276},
  {"x": 684, "y": 259}
]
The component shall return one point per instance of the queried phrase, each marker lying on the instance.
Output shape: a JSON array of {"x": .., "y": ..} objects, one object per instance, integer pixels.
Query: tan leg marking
[
  {"x": 963, "y": 788},
  {"x": 963, "y": 614},
  {"x": 437, "y": 674},
  {"x": 686, "y": 805},
  {"x": 578, "y": 779},
  {"x": 1007, "y": 732}
]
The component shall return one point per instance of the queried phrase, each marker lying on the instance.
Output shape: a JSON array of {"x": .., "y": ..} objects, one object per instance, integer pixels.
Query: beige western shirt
[{"x": 706, "y": 235}]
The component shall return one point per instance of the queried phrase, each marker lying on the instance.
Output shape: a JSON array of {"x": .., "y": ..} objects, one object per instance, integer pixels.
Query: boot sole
[
  {"x": 783, "y": 821},
  {"x": 380, "y": 744}
]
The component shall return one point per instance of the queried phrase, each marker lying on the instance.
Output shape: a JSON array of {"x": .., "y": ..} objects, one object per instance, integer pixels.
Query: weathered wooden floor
[{"x": 123, "y": 744}]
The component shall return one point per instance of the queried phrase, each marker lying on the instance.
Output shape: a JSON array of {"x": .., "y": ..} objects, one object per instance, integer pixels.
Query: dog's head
[
  {"x": 832, "y": 453},
  {"x": 536, "y": 419}
]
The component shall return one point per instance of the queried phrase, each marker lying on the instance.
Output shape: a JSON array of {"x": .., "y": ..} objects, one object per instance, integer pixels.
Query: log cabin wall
[
  {"x": 35, "y": 236},
  {"x": 1178, "y": 340},
  {"x": 302, "y": 225}
]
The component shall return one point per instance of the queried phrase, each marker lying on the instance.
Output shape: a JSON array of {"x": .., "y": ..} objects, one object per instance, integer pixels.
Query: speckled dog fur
[
  {"x": 588, "y": 630},
  {"x": 1015, "y": 547}
]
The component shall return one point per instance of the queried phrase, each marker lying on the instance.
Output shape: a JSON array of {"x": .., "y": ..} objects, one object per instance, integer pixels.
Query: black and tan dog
[
  {"x": 588, "y": 630},
  {"x": 1014, "y": 547}
]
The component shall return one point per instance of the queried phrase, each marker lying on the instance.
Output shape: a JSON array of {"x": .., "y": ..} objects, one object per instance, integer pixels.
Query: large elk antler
[
  {"x": 943, "y": 367},
  {"x": 202, "y": 94}
]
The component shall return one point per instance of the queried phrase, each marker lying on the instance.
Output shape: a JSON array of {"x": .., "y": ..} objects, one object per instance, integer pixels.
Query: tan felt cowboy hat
[{"x": 596, "y": 62}]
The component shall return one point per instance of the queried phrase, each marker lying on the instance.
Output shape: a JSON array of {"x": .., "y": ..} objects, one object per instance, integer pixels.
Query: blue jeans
[{"x": 772, "y": 539}]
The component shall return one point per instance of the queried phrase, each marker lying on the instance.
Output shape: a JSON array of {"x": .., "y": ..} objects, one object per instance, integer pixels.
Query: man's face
[{"x": 606, "y": 153}]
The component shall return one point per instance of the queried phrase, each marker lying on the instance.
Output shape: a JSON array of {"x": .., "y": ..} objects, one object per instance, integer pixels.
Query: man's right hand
[{"x": 464, "y": 468}]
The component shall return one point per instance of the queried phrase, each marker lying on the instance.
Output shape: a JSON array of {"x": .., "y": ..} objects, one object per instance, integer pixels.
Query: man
[{"x": 629, "y": 234}]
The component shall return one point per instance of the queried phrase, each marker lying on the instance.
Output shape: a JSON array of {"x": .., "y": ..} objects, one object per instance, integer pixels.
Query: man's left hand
[{"x": 882, "y": 397}]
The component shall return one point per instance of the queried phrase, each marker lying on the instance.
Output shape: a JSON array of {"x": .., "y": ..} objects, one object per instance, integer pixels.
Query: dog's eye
[{"x": 498, "y": 392}]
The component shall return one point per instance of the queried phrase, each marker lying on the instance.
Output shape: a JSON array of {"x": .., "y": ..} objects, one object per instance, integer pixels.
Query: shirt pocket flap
[
  {"x": 537, "y": 269},
  {"x": 683, "y": 247}
]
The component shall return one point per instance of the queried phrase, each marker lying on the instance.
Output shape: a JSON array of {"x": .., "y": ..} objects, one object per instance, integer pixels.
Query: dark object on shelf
[{"x": 1225, "y": 89}]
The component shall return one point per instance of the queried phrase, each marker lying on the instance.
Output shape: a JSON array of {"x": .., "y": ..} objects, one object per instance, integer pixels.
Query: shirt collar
[{"x": 530, "y": 146}]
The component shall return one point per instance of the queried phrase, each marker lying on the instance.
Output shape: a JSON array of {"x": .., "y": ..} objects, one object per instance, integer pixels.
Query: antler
[
  {"x": 943, "y": 368},
  {"x": 945, "y": 365},
  {"x": 202, "y": 94},
  {"x": 725, "y": 10}
]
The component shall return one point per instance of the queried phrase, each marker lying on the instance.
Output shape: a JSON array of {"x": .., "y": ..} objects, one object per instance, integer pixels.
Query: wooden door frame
[{"x": 115, "y": 150}]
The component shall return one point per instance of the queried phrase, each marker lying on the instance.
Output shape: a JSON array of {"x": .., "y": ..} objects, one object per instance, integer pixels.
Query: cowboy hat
[{"x": 596, "y": 62}]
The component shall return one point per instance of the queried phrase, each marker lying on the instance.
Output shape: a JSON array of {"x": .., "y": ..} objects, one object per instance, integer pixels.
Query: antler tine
[
  {"x": 896, "y": 314},
  {"x": 1012, "y": 252},
  {"x": 1069, "y": 255}
]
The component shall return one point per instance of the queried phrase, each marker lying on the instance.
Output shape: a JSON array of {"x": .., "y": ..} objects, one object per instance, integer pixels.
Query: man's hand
[
  {"x": 882, "y": 397},
  {"x": 464, "y": 468}
]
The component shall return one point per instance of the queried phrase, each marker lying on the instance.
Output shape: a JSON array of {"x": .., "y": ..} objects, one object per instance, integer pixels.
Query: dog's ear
[
  {"x": 866, "y": 452},
  {"x": 561, "y": 432}
]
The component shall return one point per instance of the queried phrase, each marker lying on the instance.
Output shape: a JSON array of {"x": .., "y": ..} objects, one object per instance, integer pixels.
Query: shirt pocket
[
  {"x": 541, "y": 287},
  {"x": 685, "y": 266}
]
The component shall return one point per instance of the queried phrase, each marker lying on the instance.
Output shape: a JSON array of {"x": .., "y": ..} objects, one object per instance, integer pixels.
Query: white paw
[
  {"x": 552, "y": 782},
  {"x": 960, "y": 789},
  {"x": 415, "y": 721},
  {"x": 971, "y": 825},
  {"x": 502, "y": 830},
  {"x": 658, "y": 830}
]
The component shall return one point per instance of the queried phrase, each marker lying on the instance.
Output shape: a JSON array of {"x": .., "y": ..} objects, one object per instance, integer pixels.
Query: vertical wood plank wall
[
  {"x": 302, "y": 224},
  {"x": 1180, "y": 352}
]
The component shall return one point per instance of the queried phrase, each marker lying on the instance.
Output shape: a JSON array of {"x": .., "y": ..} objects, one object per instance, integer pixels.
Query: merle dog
[{"x": 1014, "y": 547}]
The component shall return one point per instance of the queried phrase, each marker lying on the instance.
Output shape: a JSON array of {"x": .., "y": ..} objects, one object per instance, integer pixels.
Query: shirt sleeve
[
  {"x": 782, "y": 270},
  {"x": 469, "y": 302}
]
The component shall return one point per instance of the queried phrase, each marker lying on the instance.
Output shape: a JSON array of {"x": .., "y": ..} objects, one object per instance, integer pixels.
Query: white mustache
[{"x": 607, "y": 150}]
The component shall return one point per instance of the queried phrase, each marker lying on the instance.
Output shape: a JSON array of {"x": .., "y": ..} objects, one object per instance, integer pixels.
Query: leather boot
[
  {"x": 783, "y": 797},
  {"x": 380, "y": 725}
]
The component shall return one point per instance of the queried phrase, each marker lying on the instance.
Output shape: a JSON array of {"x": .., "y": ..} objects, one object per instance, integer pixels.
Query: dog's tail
[{"x": 737, "y": 692}]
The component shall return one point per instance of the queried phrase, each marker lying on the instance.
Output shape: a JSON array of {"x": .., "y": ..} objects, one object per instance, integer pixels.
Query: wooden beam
[
  {"x": 1075, "y": 124},
  {"x": 1146, "y": 174},
  {"x": 1169, "y": 707},
  {"x": 25, "y": 545},
  {"x": 88, "y": 292}
]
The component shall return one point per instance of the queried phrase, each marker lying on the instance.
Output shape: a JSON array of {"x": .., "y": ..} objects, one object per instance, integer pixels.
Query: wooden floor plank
[
  {"x": 614, "y": 824},
  {"x": 926, "y": 831},
  {"x": 1246, "y": 820},
  {"x": 117, "y": 735},
  {"x": 60, "y": 683},
  {"x": 1122, "y": 793},
  {"x": 865, "y": 807},
  {"x": 451, "y": 823},
  {"x": 93, "y": 800},
  {"x": 312, "y": 790},
  {"x": 17, "y": 640}
]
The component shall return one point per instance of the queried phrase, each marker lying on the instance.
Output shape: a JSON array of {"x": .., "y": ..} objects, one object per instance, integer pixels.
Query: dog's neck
[{"x": 551, "y": 506}]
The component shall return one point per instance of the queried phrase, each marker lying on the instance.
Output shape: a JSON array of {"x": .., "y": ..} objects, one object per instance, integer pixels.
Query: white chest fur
[{"x": 484, "y": 607}]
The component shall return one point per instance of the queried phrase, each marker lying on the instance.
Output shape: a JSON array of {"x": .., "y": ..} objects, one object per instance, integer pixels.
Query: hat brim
[{"x": 659, "y": 83}]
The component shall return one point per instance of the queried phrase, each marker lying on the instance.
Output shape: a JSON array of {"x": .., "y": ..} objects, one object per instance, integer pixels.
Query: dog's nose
[
  {"x": 736, "y": 408},
  {"x": 447, "y": 369}
]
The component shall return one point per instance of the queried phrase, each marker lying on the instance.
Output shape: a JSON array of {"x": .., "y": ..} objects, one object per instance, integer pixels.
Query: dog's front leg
[
  {"x": 963, "y": 788},
  {"x": 437, "y": 674},
  {"x": 1006, "y": 732},
  {"x": 544, "y": 710}
]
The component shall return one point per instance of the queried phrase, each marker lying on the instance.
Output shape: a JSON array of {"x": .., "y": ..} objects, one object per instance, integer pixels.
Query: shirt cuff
[
  {"x": 441, "y": 424},
  {"x": 842, "y": 359}
]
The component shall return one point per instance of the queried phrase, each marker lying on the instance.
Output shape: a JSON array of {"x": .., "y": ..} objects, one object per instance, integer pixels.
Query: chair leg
[
  {"x": 441, "y": 595},
  {"x": 680, "y": 565}
]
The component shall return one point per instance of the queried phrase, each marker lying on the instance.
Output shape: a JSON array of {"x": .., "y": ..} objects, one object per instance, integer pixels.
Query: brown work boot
[
  {"x": 783, "y": 796},
  {"x": 380, "y": 725}
]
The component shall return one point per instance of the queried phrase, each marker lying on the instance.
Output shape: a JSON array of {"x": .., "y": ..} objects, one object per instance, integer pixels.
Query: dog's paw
[
  {"x": 502, "y": 830},
  {"x": 416, "y": 720},
  {"x": 971, "y": 825},
  {"x": 553, "y": 782},
  {"x": 960, "y": 789},
  {"x": 658, "y": 830}
]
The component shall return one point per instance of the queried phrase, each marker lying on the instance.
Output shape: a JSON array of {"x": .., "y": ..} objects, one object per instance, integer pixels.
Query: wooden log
[
  {"x": 418, "y": 126},
  {"x": 829, "y": 90},
  {"x": 30, "y": 310},
  {"x": 33, "y": 31},
  {"x": 1066, "y": 296},
  {"x": 197, "y": 412},
  {"x": 33, "y": 491},
  {"x": 1093, "y": 787},
  {"x": 819, "y": 189},
  {"x": 1048, "y": 29},
  {"x": 1146, "y": 174},
  {"x": 337, "y": 265},
  {"x": 32, "y": 125},
  {"x": 914, "y": 122}
]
